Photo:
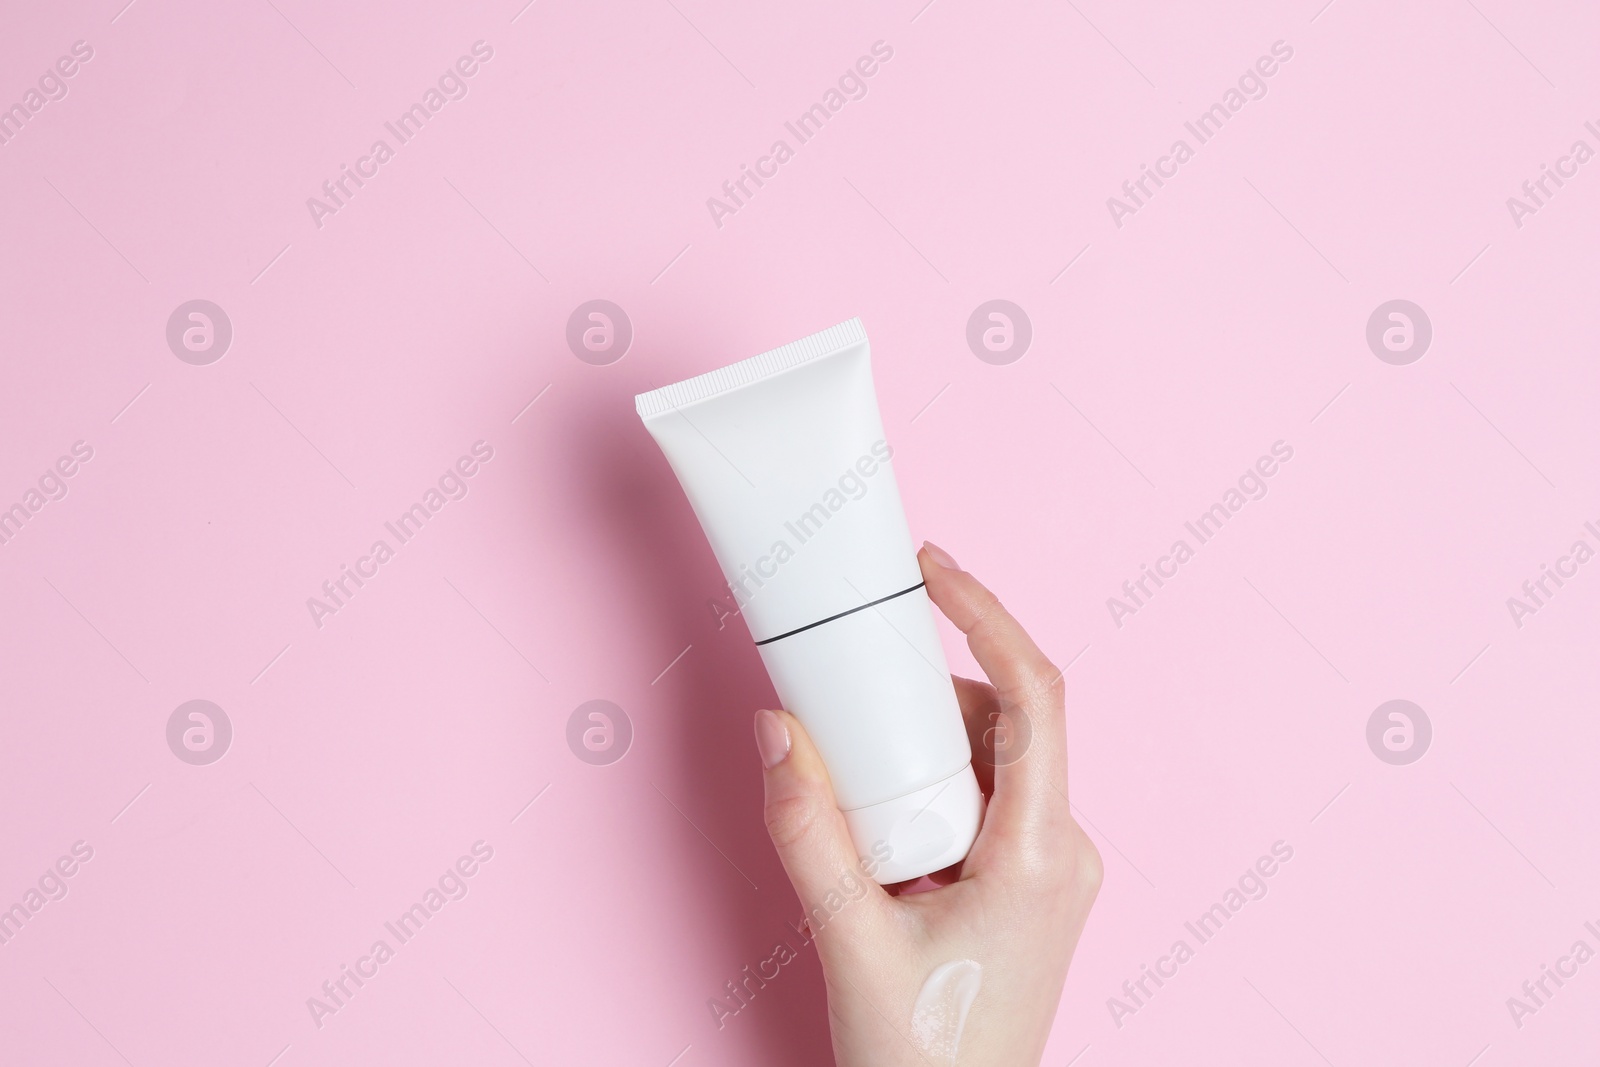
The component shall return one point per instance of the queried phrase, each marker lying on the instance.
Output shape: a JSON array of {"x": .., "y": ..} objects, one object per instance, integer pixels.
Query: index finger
[
  {"x": 1030, "y": 769},
  {"x": 998, "y": 642}
]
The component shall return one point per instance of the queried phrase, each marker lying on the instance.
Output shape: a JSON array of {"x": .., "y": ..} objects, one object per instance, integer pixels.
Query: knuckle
[
  {"x": 1047, "y": 690},
  {"x": 988, "y": 614},
  {"x": 1039, "y": 873},
  {"x": 1064, "y": 865},
  {"x": 1052, "y": 680},
  {"x": 790, "y": 819},
  {"x": 1089, "y": 870},
  {"x": 1044, "y": 677}
]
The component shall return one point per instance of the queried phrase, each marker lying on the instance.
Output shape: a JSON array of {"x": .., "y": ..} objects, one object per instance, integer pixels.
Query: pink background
[{"x": 368, "y": 354}]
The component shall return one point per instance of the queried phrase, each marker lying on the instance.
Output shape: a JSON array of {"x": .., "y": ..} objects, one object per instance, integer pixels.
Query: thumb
[{"x": 808, "y": 829}]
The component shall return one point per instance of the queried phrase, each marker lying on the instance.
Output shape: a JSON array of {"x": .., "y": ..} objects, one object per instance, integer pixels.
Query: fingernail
[
  {"x": 772, "y": 739},
  {"x": 940, "y": 556}
]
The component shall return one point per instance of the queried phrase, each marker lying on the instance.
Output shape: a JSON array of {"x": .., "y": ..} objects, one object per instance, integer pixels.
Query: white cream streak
[{"x": 940, "y": 1013}]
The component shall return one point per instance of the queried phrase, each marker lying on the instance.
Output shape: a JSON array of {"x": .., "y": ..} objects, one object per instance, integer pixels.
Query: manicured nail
[
  {"x": 940, "y": 556},
  {"x": 772, "y": 739}
]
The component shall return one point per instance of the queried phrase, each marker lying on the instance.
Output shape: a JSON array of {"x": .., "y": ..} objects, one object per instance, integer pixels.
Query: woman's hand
[{"x": 970, "y": 972}]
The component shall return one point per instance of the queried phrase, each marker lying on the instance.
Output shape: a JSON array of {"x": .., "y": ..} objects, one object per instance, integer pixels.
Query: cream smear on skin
[{"x": 940, "y": 1013}]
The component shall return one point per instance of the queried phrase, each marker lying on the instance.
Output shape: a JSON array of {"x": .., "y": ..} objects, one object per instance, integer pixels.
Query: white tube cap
[{"x": 921, "y": 832}]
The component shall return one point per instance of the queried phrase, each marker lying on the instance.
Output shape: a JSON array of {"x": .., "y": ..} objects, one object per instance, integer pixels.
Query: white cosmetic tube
[{"x": 783, "y": 459}]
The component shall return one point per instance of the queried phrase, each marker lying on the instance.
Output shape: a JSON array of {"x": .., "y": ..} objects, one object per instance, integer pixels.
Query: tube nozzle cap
[{"x": 921, "y": 832}]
